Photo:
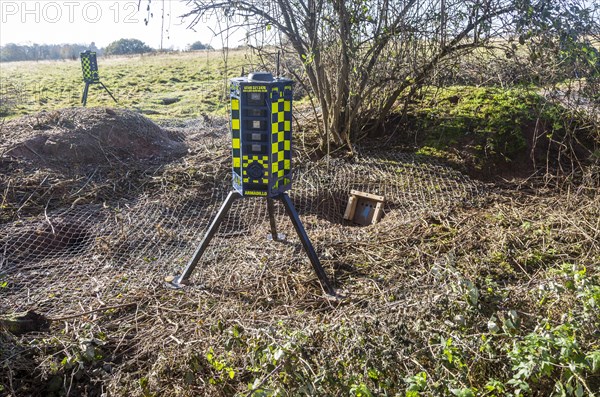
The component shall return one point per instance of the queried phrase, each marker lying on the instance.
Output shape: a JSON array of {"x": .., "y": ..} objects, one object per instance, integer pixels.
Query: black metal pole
[
  {"x": 271, "y": 209},
  {"x": 212, "y": 229},
  {"x": 310, "y": 251},
  {"x": 109, "y": 93},
  {"x": 85, "y": 94}
]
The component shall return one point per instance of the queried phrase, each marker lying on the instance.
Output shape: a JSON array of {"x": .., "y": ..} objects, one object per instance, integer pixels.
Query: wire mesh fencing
[{"x": 69, "y": 256}]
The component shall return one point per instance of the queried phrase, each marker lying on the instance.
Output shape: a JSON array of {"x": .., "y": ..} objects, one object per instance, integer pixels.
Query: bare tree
[{"x": 360, "y": 58}]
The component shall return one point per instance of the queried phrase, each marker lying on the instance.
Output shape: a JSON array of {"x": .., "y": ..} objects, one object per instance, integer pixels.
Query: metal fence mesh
[{"x": 72, "y": 256}]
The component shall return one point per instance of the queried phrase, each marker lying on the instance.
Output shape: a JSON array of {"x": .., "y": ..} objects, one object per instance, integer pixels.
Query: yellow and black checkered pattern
[
  {"x": 261, "y": 134},
  {"x": 235, "y": 135},
  {"x": 247, "y": 162},
  {"x": 281, "y": 134},
  {"x": 89, "y": 66}
]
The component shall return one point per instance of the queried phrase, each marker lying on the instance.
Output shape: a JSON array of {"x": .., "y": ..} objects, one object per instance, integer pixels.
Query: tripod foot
[
  {"x": 174, "y": 282},
  {"x": 336, "y": 295},
  {"x": 279, "y": 237},
  {"x": 308, "y": 247}
]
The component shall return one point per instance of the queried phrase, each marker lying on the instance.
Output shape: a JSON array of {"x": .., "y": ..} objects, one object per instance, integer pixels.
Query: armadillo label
[{"x": 254, "y": 193}]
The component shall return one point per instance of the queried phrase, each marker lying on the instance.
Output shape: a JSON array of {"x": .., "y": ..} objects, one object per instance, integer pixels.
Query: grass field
[{"x": 178, "y": 85}]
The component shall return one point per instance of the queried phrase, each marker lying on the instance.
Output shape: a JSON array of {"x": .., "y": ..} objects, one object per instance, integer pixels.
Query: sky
[{"x": 104, "y": 21}]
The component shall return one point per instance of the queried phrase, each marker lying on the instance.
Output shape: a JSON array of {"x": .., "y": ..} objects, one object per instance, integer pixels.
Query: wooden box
[{"x": 364, "y": 208}]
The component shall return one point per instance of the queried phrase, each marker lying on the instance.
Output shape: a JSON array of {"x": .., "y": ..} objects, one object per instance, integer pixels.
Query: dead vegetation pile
[
  {"x": 446, "y": 293},
  {"x": 87, "y": 137}
]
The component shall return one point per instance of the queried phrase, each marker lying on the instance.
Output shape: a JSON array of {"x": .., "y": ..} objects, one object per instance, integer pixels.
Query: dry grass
[{"x": 458, "y": 284}]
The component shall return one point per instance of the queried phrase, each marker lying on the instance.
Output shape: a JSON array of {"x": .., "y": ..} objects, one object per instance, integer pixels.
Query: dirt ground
[{"x": 97, "y": 136}]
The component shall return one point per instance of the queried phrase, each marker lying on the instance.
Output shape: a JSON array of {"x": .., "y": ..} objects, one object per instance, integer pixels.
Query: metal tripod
[
  {"x": 181, "y": 280},
  {"x": 87, "y": 87}
]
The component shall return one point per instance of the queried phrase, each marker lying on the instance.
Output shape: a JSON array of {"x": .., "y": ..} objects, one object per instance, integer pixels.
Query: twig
[
  {"x": 94, "y": 311},
  {"x": 86, "y": 182},
  {"x": 33, "y": 151},
  {"x": 31, "y": 195},
  {"x": 178, "y": 341},
  {"x": 264, "y": 379},
  {"x": 48, "y": 219}
]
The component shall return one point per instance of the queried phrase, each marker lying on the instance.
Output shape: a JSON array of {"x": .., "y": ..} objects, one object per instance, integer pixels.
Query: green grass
[
  {"x": 195, "y": 80},
  {"x": 490, "y": 119},
  {"x": 489, "y": 126}
]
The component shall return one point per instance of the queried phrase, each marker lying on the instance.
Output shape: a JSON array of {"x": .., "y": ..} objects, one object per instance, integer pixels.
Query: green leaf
[
  {"x": 416, "y": 383},
  {"x": 594, "y": 359},
  {"x": 493, "y": 325},
  {"x": 360, "y": 390},
  {"x": 279, "y": 353},
  {"x": 466, "y": 392},
  {"x": 373, "y": 373},
  {"x": 494, "y": 385}
]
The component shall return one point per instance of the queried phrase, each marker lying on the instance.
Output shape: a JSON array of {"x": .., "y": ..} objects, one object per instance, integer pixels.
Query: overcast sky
[{"x": 103, "y": 21}]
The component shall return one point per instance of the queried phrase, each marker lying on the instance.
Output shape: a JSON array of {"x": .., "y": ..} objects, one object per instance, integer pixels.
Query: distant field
[{"x": 160, "y": 86}]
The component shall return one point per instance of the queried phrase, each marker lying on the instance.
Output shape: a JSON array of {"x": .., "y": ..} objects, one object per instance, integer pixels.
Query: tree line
[{"x": 41, "y": 52}]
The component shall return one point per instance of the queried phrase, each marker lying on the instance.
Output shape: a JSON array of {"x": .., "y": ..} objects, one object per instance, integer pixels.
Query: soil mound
[{"x": 88, "y": 136}]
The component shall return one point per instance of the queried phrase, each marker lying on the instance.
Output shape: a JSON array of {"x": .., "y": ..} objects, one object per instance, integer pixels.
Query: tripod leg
[
  {"x": 109, "y": 93},
  {"x": 85, "y": 94},
  {"x": 271, "y": 209},
  {"x": 310, "y": 251},
  {"x": 212, "y": 229}
]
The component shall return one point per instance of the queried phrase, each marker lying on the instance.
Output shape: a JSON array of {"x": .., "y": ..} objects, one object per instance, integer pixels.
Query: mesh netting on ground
[{"x": 117, "y": 231}]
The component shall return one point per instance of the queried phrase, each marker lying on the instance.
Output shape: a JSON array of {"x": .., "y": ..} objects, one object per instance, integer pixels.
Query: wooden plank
[
  {"x": 367, "y": 195},
  {"x": 350, "y": 208},
  {"x": 378, "y": 212}
]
